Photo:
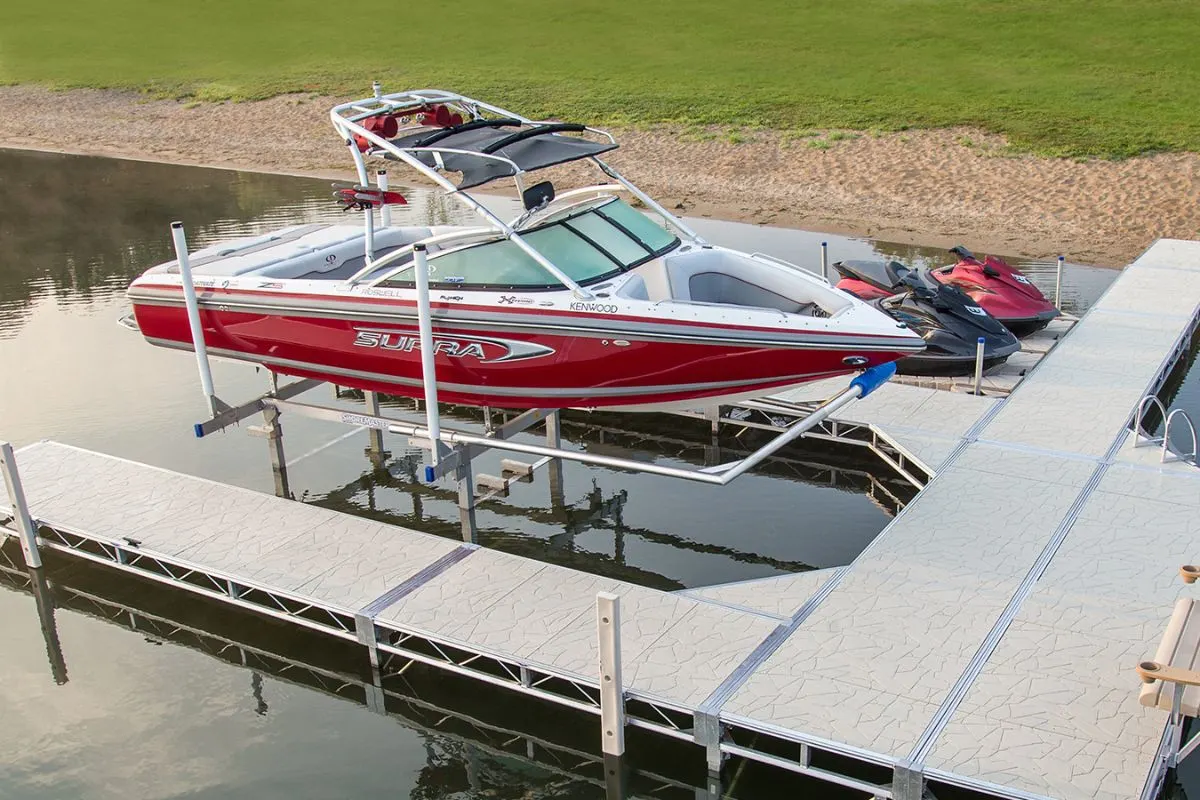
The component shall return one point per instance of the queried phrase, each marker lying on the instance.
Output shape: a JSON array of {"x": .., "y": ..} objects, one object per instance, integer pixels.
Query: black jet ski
[{"x": 946, "y": 317}]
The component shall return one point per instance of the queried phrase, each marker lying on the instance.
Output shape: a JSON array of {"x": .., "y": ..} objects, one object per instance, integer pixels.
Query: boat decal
[
  {"x": 450, "y": 298},
  {"x": 631, "y": 392},
  {"x": 271, "y": 285},
  {"x": 595, "y": 308},
  {"x": 976, "y": 310},
  {"x": 515, "y": 300},
  {"x": 484, "y": 350}
]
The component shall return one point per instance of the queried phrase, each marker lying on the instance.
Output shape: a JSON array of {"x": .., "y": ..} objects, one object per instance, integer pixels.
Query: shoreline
[{"x": 898, "y": 186}]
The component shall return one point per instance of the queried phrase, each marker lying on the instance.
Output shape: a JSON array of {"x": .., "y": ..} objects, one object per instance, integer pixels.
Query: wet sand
[{"x": 939, "y": 187}]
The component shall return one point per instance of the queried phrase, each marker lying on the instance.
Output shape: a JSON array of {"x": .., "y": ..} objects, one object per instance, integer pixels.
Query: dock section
[{"x": 987, "y": 637}]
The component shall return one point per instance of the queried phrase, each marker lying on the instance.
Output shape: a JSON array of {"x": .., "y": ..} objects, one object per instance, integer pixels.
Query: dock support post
[
  {"x": 1058, "y": 284},
  {"x": 978, "y": 365},
  {"x": 374, "y": 695},
  {"x": 554, "y": 468},
  {"x": 707, "y": 727},
  {"x": 616, "y": 778},
  {"x": 908, "y": 781},
  {"x": 612, "y": 694},
  {"x": 273, "y": 431},
  {"x": 825, "y": 260},
  {"x": 375, "y": 435},
  {"x": 16, "y": 497},
  {"x": 43, "y": 598},
  {"x": 466, "y": 498}
]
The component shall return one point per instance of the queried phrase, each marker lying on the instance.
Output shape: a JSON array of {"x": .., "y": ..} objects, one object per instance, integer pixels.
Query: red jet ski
[{"x": 1002, "y": 291}]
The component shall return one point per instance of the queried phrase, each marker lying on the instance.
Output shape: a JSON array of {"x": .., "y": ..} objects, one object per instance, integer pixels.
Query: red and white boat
[{"x": 581, "y": 301}]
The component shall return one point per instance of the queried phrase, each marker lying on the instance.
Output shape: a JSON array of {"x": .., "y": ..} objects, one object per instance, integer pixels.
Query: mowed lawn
[{"x": 1066, "y": 77}]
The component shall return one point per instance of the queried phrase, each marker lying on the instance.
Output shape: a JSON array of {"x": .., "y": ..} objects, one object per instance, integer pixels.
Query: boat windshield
[{"x": 592, "y": 245}]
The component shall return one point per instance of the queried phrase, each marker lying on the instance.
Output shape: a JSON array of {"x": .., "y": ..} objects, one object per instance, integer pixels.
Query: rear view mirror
[{"x": 537, "y": 195}]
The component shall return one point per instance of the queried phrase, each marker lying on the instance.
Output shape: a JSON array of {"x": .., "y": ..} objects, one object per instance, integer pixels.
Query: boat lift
[{"x": 452, "y": 450}]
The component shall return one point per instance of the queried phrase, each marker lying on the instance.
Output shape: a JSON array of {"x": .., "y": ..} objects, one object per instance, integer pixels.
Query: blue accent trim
[
  {"x": 873, "y": 378},
  {"x": 430, "y": 475},
  {"x": 198, "y": 429}
]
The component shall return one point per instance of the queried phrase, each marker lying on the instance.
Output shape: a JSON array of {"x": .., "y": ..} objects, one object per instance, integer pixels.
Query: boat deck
[{"x": 987, "y": 637}]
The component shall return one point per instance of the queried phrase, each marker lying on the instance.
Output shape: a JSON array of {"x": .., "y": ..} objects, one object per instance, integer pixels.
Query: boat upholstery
[{"x": 726, "y": 278}]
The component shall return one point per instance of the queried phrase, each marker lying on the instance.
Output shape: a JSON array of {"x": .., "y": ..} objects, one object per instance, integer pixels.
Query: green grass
[{"x": 1064, "y": 77}]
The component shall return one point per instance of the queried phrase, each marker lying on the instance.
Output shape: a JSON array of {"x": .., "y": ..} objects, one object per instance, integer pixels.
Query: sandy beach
[{"x": 939, "y": 187}]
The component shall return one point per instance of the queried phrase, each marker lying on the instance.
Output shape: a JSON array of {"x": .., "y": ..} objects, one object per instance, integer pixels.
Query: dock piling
[
  {"x": 612, "y": 695},
  {"x": 16, "y": 496}
]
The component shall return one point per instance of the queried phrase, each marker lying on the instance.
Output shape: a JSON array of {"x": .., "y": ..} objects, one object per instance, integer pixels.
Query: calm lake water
[{"x": 131, "y": 690}]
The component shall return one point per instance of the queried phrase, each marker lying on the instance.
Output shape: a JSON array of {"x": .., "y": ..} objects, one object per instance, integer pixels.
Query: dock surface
[{"x": 987, "y": 637}]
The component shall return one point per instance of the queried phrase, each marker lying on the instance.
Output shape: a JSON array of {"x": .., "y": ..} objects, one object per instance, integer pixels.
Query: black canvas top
[{"x": 530, "y": 147}]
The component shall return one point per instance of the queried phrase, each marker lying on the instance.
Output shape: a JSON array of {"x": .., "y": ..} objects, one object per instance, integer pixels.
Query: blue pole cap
[
  {"x": 873, "y": 378},
  {"x": 198, "y": 428},
  {"x": 981, "y": 340},
  {"x": 430, "y": 474}
]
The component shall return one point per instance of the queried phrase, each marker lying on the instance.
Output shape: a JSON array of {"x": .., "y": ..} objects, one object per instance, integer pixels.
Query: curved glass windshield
[{"x": 592, "y": 245}]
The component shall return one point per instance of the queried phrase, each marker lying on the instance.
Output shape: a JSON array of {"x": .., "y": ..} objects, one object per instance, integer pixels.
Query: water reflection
[{"x": 468, "y": 745}]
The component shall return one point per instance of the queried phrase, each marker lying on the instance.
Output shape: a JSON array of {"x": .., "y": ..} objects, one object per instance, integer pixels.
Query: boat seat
[
  {"x": 718, "y": 277},
  {"x": 315, "y": 265},
  {"x": 634, "y": 289}
]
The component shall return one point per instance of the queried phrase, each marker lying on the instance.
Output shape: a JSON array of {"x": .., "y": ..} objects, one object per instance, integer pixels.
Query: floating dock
[{"x": 986, "y": 639}]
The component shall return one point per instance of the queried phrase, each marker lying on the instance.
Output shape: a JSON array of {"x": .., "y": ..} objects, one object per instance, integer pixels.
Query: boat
[
  {"x": 950, "y": 321},
  {"x": 1000, "y": 289},
  {"x": 581, "y": 300}
]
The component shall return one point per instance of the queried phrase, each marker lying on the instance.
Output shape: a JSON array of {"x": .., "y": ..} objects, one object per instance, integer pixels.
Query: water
[{"x": 147, "y": 708}]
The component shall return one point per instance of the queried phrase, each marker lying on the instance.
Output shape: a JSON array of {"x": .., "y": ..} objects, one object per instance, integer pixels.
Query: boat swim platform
[{"x": 986, "y": 639}]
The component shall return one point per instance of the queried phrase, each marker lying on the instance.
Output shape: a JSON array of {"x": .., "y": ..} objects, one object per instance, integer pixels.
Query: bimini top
[
  {"x": 452, "y": 133},
  {"x": 529, "y": 147}
]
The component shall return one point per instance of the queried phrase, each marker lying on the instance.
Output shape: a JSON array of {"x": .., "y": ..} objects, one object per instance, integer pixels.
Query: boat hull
[{"x": 513, "y": 365}]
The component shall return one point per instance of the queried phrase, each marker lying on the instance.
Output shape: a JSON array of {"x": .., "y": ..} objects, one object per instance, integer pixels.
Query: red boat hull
[{"x": 504, "y": 366}]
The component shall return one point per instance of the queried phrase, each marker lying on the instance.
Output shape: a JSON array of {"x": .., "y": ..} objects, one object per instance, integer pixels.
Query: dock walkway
[{"x": 985, "y": 639}]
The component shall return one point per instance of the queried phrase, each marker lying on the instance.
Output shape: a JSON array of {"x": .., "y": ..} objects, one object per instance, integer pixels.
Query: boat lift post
[
  {"x": 193, "y": 315},
  {"x": 1058, "y": 283},
  {"x": 825, "y": 260},
  {"x": 385, "y": 211},
  {"x": 428, "y": 368}
]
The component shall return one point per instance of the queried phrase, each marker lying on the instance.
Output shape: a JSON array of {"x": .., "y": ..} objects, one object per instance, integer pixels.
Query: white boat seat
[
  {"x": 634, "y": 289},
  {"x": 719, "y": 277}
]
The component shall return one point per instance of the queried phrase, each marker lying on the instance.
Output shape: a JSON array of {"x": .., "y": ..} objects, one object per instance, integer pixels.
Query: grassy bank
[{"x": 1068, "y": 77}]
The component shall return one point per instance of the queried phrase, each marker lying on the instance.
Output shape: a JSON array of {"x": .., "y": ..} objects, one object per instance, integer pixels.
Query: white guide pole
[
  {"x": 978, "y": 364},
  {"x": 193, "y": 315},
  {"x": 825, "y": 260},
  {"x": 1058, "y": 284},
  {"x": 612, "y": 695},
  {"x": 369, "y": 222},
  {"x": 16, "y": 496},
  {"x": 428, "y": 372},
  {"x": 385, "y": 211}
]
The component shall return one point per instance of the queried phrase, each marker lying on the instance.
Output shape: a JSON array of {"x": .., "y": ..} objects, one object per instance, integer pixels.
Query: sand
[{"x": 939, "y": 187}]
